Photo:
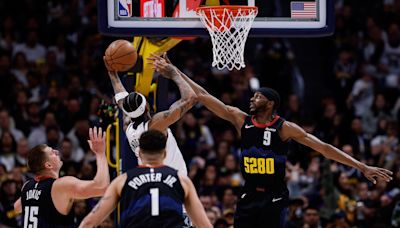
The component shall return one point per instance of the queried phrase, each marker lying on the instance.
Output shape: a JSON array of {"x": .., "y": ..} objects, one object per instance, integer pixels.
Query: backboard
[{"x": 284, "y": 18}]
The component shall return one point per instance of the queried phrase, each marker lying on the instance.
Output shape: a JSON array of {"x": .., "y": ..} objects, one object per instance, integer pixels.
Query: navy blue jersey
[
  {"x": 152, "y": 197},
  {"x": 38, "y": 209},
  {"x": 263, "y": 155}
]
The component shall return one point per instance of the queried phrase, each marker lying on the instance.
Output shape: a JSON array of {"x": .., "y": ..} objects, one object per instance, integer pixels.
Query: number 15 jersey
[
  {"x": 263, "y": 155},
  {"x": 38, "y": 209}
]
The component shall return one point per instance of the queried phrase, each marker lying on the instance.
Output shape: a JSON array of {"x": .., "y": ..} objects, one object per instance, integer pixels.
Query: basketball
[{"x": 120, "y": 55}]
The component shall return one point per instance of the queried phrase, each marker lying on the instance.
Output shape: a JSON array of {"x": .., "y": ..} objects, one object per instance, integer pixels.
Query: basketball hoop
[{"x": 229, "y": 27}]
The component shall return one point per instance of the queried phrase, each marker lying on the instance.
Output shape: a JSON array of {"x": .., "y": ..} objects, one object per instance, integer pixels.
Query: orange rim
[{"x": 231, "y": 8}]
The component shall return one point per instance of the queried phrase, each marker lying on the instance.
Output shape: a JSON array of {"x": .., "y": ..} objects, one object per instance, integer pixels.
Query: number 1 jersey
[{"x": 152, "y": 197}]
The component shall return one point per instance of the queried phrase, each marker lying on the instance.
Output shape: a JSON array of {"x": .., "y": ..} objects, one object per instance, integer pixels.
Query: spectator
[
  {"x": 8, "y": 197},
  {"x": 7, "y": 125},
  {"x": 21, "y": 156},
  {"x": 7, "y": 81},
  {"x": 20, "y": 68},
  {"x": 197, "y": 137},
  {"x": 32, "y": 48},
  {"x": 362, "y": 94},
  {"x": 77, "y": 137},
  {"x": 390, "y": 62},
  {"x": 8, "y": 146},
  {"x": 311, "y": 218},
  {"x": 212, "y": 216},
  {"x": 379, "y": 109}
]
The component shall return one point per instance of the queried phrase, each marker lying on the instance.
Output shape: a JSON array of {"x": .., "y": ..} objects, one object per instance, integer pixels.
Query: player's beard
[{"x": 253, "y": 111}]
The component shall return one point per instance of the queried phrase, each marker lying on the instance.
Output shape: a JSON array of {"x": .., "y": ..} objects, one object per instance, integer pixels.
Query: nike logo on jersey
[
  {"x": 276, "y": 199},
  {"x": 248, "y": 126}
]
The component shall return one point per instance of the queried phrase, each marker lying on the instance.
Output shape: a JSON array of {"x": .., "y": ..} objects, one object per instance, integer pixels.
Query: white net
[{"x": 228, "y": 28}]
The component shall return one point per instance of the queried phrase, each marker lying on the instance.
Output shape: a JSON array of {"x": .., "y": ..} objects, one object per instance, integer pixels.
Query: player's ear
[
  {"x": 270, "y": 104},
  {"x": 47, "y": 165}
]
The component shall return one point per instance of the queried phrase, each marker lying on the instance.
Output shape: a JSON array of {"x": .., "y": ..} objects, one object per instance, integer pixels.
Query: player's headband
[{"x": 134, "y": 105}]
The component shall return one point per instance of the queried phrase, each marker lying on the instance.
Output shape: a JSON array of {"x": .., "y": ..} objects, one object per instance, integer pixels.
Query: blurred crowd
[{"x": 53, "y": 83}]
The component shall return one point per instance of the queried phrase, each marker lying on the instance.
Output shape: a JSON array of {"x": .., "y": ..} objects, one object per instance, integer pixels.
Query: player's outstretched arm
[
  {"x": 83, "y": 189},
  {"x": 119, "y": 90},
  {"x": 106, "y": 204},
  {"x": 293, "y": 131},
  {"x": 162, "y": 120},
  {"x": 115, "y": 82},
  {"x": 227, "y": 112},
  {"x": 193, "y": 205}
]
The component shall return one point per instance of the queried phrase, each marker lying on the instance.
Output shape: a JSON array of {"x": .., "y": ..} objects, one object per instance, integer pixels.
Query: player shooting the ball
[{"x": 137, "y": 118}]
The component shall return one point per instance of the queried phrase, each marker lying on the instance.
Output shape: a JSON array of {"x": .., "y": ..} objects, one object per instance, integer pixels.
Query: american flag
[{"x": 303, "y": 10}]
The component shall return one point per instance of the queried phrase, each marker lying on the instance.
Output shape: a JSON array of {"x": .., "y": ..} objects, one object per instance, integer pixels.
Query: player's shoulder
[
  {"x": 120, "y": 180},
  {"x": 289, "y": 124},
  {"x": 65, "y": 182},
  {"x": 137, "y": 127},
  {"x": 291, "y": 130}
]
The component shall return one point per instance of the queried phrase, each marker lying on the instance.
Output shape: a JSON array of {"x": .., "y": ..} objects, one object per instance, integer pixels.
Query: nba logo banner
[
  {"x": 303, "y": 10},
  {"x": 152, "y": 8},
  {"x": 125, "y": 8}
]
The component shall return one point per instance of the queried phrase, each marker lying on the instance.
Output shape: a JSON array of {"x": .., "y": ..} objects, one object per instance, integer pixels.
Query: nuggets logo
[{"x": 125, "y": 8}]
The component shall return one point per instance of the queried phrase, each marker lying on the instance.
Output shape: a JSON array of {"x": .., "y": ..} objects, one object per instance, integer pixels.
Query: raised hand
[
  {"x": 165, "y": 56},
  {"x": 372, "y": 173},
  {"x": 97, "y": 140},
  {"x": 163, "y": 66}
]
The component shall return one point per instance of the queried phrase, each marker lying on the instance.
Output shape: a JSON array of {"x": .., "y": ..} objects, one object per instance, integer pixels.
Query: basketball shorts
[{"x": 260, "y": 209}]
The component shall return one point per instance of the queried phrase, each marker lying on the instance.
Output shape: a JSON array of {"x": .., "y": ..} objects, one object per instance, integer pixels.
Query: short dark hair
[
  {"x": 37, "y": 158},
  {"x": 152, "y": 142},
  {"x": 313, "y": 208},
  {"x": 132, "y": 102}
]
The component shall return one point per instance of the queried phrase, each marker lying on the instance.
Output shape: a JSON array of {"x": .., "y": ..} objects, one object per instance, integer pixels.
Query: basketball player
[
  {"x": 154, "y": 192},
  {"x": 46, "y": 201},
  {"x": 137, "y": 117},
  {"x": 264, "y": 137}
]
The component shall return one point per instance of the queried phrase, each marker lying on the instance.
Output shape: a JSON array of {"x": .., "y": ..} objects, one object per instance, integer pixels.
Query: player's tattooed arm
[
  {"x": 107, "y": 204},
  {"x": 229, "y": 113},
  {"x": 115, "y": 81},
  {"x": 161, "y": 121},
  {"x": 165, "y": 68},
  {"x": 102, "y": 200}
]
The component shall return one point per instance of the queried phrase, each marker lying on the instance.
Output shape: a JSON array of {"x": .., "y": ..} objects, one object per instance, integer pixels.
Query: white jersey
[{"x": 174, "y": 156}]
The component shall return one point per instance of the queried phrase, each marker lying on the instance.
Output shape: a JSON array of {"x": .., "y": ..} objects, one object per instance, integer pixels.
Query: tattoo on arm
[
  {"x": 166, "y": 114},
  {"x": 180, "y": 105},
  {"x": 96, "y": 208},
  {"x": 184, "y": 88},
  {"x": 184, "y": 108},
  {"x": 117, "y": 84}
]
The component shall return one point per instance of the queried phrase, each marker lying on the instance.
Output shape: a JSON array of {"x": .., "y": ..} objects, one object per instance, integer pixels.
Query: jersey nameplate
[
  {"x": 136, "y": 182},
  {"x": 33, "y": 194}
]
